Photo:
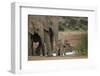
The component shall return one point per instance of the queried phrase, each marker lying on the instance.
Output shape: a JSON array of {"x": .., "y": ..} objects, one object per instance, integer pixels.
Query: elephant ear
[{"x": 30, "y": 25}]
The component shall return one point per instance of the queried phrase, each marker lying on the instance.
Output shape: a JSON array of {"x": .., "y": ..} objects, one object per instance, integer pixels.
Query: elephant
[
  {"x": 35, "y": 33},
  {"x": 42, "y": 29}
]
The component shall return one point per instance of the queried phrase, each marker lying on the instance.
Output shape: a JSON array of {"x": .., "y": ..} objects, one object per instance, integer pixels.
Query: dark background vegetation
[{"x": 73, "y": 23}]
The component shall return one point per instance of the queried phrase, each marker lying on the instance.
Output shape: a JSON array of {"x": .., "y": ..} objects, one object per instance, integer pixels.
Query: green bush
[
  {"x": 73, "y": 23},
  {"x": 83, "y": 45}
]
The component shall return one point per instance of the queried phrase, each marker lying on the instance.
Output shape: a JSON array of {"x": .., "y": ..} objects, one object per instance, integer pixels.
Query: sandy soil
[
  {"x": 30, "y": 58},
  {"x": 73, "y": 38}
]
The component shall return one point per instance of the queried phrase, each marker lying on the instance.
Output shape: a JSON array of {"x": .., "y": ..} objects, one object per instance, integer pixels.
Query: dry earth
[
  {"x": 30, "y": 58},
  {"x": 73, "y": 38}
]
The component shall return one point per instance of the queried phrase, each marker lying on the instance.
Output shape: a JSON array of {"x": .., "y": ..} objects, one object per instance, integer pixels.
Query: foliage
[
  {"x": 73, "y": 23},
  {"x": 83, "y": 45}
]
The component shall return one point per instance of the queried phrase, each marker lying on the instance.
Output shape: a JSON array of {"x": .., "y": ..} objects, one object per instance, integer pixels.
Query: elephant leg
[
  {"x": 51, "y": 38},
  {"x": 47, "y": 42},
  {"x": 42, "y": 51},
  {"x": 61, "y": 52},
  {"x": 38, "y": 51},
  {"x": 30, "y": 45},
  {"x": 45, "y": 49},
  {"x": 58, "y": 52},
  {"x": 52, "y": 42},
  {"x": 34, "y": 49}
]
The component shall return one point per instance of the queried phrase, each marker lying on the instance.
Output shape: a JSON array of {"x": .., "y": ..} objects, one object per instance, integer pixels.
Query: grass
[{"x": 83, "y": 45}]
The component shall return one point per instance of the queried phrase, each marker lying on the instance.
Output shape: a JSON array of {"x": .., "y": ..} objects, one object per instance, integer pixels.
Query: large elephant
[{"x": 42, "y": 29}]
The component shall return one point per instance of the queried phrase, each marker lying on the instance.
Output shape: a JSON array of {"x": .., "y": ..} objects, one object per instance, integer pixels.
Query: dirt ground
[
  {"x": 30, "y": 58},
  {"x": 73, "y": 38}
]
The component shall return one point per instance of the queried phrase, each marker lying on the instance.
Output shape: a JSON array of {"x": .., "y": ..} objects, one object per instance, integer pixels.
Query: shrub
[{"x": 83, "y": 45}]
